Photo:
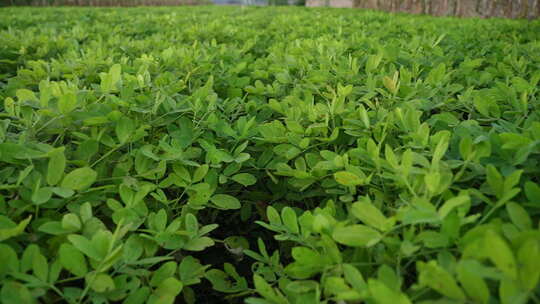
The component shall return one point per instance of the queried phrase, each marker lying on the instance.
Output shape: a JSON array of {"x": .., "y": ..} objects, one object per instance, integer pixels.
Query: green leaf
[
  {"x": 72, "y": 260},
  {"x": 54, "y": 271},
  {"x": 67, "y": 103},
  {"x": 200, "y": 173},
  {"x": 125, "y": 128},
  {"x": 42, "y": 195},
  {"x": 370, "y": 215},
  {"x": 133, "y": 248},
  {"x": 101, "y": 242},
  {"x": 304, "y": 286},
  {"x": 390, "y": 156},
  {"x": 273, "y": 216},
  {"x": 63, "y": 192},
  {"x": 100, "y": 282},
  {"x": 27, "y": 259},
  {"x": 451, "y": 204},
  {"x": 71, "y": 222},
  {"x": 14, "y": 230},
  {"x": 356, "y": 236},
  {"x": 513, "y": 141},
  {"x": 110, "y": 80},
  {"x": 13, "y": 292},
  {"x": 373, "y": 62},
  {"x": 10, "y": 262},
  {"x": 348, "y": 178},
  {"x": 191, "y": 223},
  {"x": 53, "y": 227},
  {"x": 191, "y": 271},
  {"x": 482, "y": 105},
  {"x": 440, "y": 150},
  {"x": 116, "y": 73},
  {"x": 85, "y": 212},
  {"x": 512, "y": 180},
  {"x": 79, "y": 179},
  {"x": 474, "y": 285},
  {"x": 338, "y": 287},
  {"x": 25, "y": 95},
  {"x": 465, "y": 147},
  {"x": 511, "y": 293},
  {"x": 224, "y": 201},
  {"x": 421, "y": 211},
  {"x": 140, "y": 296},
  {"x": 85, "y": 246},
  {"x": 265, "y": 290},
  {"x": 40, "y": 267},
  {"x": 437, "y": 278},
  {"x": 383, "y": 294},
  {"x": 532, "y": 191},
  {"x": 199, "y": 244},
  {"x": 289, "y": 219},
  {"x": 236, "y": 244},
  {"x": 354, "y": 277},
  {"x": 165, "y": 271},
  {"x": 10, "y": 107},
  {"x": 519, "y": 216},
  {"x": 330, "y": 247},
  {"x": 432, "y": 180},
  {"x": 24, "y": 173},
  {"x": 529, "y": 260},
  {"x": 304, "y": 270},
  {"x": 388, "y": 276},
  {"x": 245, "y": 179},
  {"x": 495, "y": 180},
  {"x": 500, "y": 254},
  {"x": 56, "y": 166},
  {"x": 166, "y": 292},
  {"x": 223, "y": 282}
]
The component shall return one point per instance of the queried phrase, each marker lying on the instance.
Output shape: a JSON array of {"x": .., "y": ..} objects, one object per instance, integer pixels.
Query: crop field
[{"x": 267, "y": 156}]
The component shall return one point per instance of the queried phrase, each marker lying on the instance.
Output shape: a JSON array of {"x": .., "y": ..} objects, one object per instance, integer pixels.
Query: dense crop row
[{"x": 267, "y": 155}]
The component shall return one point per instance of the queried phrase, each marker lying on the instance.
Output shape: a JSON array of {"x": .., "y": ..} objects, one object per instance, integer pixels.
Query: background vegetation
[
  {"x": 103, "y": 2},
  {"x": 274, "y": 155}
]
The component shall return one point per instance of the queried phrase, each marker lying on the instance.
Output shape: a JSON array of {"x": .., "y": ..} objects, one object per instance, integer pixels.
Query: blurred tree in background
[
  {"x": 465, "y": 8},
  {"x": 102, "y": 2}
]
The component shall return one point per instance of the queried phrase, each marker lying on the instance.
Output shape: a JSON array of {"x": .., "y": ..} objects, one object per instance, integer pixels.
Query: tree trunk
[{"x": 462, "y": 8}]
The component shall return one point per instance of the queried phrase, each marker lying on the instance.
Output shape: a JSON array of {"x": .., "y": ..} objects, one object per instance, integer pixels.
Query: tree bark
[{"x": 462, "y": 8}]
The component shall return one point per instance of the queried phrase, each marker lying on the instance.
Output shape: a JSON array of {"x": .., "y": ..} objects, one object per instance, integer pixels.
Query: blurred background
[
  {"x": 463, "y": 8},
  {"x": 146, "y": 2}
]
